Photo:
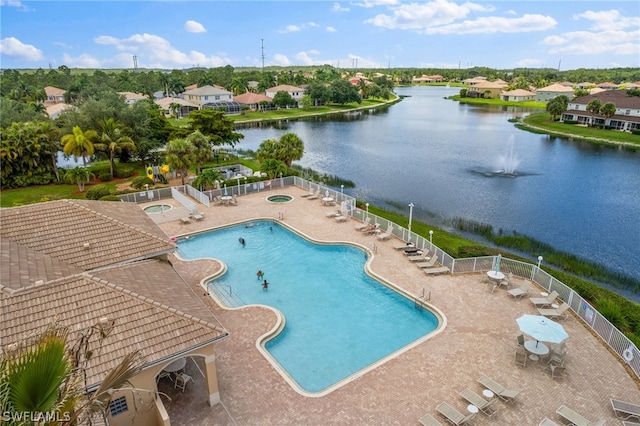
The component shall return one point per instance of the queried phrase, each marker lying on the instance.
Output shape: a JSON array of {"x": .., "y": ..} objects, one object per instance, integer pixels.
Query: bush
[
  {"x": 110, "y": 198},
  {"x": 124, "y": 172},
  {"x": 613, "y": 312},
  {"x": 97, "y": 192},
  {"x": 141, "y": 181},
  {"x": 570, "y": 122},
  {"x": 104, "y": 176}
]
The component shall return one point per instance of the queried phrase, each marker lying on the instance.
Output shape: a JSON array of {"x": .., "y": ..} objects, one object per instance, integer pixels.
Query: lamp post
[
  {"x": 367, "y": 206},
  {"x": 431, "y": 236},
  {"x": 539, "y": 261},
  {"x": 410, "y": 215},
  {"x": 342, "y": 189},
  {"x": 245, "y": 185},
  {"x": 281, "y": 185}
]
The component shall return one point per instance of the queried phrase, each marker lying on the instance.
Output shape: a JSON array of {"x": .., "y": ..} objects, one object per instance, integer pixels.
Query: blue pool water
[{"x": 338, "y": 319}]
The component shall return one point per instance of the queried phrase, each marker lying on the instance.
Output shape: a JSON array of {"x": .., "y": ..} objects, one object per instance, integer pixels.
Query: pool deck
[{"x": 479, "y": 339}]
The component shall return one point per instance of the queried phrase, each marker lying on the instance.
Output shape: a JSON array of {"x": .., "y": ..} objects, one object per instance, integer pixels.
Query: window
[
  {"x": 118, "y": 406},
  {"x": 217, "y": 97},
  {"x": 627, "y": 112}
]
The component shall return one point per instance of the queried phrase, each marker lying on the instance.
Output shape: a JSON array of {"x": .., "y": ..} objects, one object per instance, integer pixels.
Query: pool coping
[{"x": 262, "y": 340}]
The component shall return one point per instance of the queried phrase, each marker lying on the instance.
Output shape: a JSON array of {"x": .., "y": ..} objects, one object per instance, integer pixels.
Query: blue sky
[{"x": 362, "y": 34}]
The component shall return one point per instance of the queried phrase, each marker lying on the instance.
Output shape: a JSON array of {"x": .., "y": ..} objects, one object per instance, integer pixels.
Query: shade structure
[
  {"x": 498, "y": 260},
  {"x": 541, "y": 328}
]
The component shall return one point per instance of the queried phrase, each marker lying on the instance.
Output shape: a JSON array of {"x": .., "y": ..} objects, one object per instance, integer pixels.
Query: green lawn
[
  {"x": 38, "y": 194},
  {"x": 482, "y": 101}
]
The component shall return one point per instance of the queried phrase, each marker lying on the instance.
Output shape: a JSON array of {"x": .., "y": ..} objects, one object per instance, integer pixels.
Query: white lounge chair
[
  {"x": 332, "y": 213},
  {"x": 196, "y": 215},
  {"x": 486, "y": 407},
  {"x": 403, "y": 246},
  {"x": 185, "y": 220},
  {"x": 523, "y": 290},
  {"x": 386, "y": 235},
  {"x": 421, "y": 257},
  {"x": 625, "y": 410},
  {"x": 453, "y": 416},
  {"x": 436, "y": 271},
  {"x": 341, "y": 218},
  {"x": 544, "y": 301},
  {"x": 429, "y": 420},
  {"x": 363, "y": 225},
  {"x": 314, "y": 196},
  {"x": 429, "y": 263},
  {"x": 559, "y": 313},
  {"x": 547, "y": 422},
  {"x": 576, "y": 419},
  {"x": 507, "y": 395}
]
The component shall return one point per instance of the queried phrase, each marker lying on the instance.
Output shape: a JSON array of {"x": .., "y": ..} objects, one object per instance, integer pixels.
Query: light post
[
  {"x": 245, "y": 185},
  {"x": 238, "y": 185},
  {"x": 410, "y": 215},
  {"x": 367, "y": 206},
  {"x": 281, "y": 185},
  {"x": 431, "y": 236},
  {"x": 342, "y": 189},
  {"x": 539, "y": 261}
]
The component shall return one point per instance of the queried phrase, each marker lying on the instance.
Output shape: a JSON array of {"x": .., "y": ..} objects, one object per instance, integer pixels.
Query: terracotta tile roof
[
  {"x": 251, "y": 98},
  {"x": 79, "y": 302},
  {"x": 519, "y": 92},
  {"x": 618, "y": 97},
  {"x": 166, "y": 102},
  {"x": 285, "y": 88},
  {"x": 82, "y": 234},
  {"x": 207, "y": 91},
  {"x": 556, "y": 87},
  {"x": 54, "y": 91}
]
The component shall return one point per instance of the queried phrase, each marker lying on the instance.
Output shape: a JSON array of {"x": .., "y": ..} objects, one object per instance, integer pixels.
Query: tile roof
[
  {"x": 166, "y": 102},
  {"x": 74, "y": 235},
  {"x": 556, "y": 87},
  {"x": 207, "y": 91},
  {"x": 618, "y": 97},
  {"x": 54, "y": 91},
  {"x": 251, "y": 98},
  {"x": 285, "y": 88}
]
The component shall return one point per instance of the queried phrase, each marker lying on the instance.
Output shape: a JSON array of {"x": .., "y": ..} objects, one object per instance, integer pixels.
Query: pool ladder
[{"x": 419, "y": 301}]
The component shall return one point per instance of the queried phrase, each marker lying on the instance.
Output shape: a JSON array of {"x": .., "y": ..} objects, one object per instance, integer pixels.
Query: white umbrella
[
  {"x": 542, "y": 329},
  {"x": 497, "y": 267}
]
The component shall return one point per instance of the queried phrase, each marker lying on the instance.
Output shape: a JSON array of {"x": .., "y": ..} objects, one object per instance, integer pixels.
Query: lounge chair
[
  {"x": 453, "y": 416},
  {"x": 507, "y": 281},
  {"x": 404, "y": 246},
  {"x": 486, "y": 407},
  {"x": 625, "y": 410},
  {"x": 196, "y": 215},
  {"x": 559, "y": 313},
  {"x": 507, "y": 395},
  {"x": 429, "y": 420},
  {"x": 518, "y": 292},
  {"x": 547, "y": 422},
  {"x": 185, "y": 219},
  {"x": 625, "y": 423},
  {"x": 372, "y": 229},
  {"x": 386, "y": 235},
  {"x": 363, "y": 225},
  {"x": 429, "y": 263},
  {"x": 341, "y": 218},
  {"x": 314, "y": 196},
  {"x": 545, "y": 301},
  {"x": 308, "y": 194},
  {"x": 420, "y": 257},
  {"x": 576, "y": 419},
  {"x": 436, "y": 271},
  {"x": 333, "y": 213}
]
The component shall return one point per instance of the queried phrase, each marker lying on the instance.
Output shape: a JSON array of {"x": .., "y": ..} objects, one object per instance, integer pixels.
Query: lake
[{"x": 441, "y": 156}]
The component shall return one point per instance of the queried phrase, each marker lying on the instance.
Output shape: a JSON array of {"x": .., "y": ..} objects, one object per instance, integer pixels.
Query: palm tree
[
  {"x": 113, "y": 141},
  {"x": 164, "y": 80},
  {"x": 49, "y": 136},
  {"x": 174, "y": 108},
  {"x": 176, "y": 85},
  {"x": 239, "y": 85},
  {"x": 202, "y": 151},
  {"x": 207, "y": 179},
  {"x": 291, "y": 148},
  {"x": 608, "y": 110},
  {"x": 79, "y": 143},
  {"x": 180, "y": 155},
  {"x": 594, "y": 108},
  {"x": 79, "y": 176}
]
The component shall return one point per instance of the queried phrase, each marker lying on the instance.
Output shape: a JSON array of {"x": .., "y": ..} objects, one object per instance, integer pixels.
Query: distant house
[
  {"x": 428, "y": 79},
  {"x": 475, "y": 80},
  {"x": 54, "y": 95},
  {"x": 485, "y": 89},
  {"x": 607, "y": 86},
  {"x": 101, "y": 270},
  {"x": 185, "y": 106},
  {"x": 207, "y": 95},
  {"x": 252, "y": 100},
  {"x": 518, "y": 95},
  {"x": 626, "y": 118},
  {"x": 54, "y": 111},
  {"x": 296, "y": 92},
  {"x": 131, "y": 97},
  {"x": 545, "y": 94}
]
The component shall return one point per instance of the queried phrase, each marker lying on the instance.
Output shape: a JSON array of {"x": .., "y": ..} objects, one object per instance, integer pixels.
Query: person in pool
[
  {"x": 260, "y": 274},
  {"x": 242, "y": 241},
  {"x": 265, "y": 285}
]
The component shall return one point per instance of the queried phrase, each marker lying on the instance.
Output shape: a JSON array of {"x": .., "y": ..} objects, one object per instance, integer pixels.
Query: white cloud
[
  {"x": 331, "y": 30},
  {"x": 338, "y": 8},
  {"x": 608, "y": 20},
  {"x": 290, "y": 29},
  {"x": 11, "y": 46},
  {"x": 17, "y": 4},
  {"x": 530, "y": 62},
  {"x": 156, "y": 51},
  {"x": 495, "y": 24},
  {"x": 82, "y": 61},
  {"x": 194, "y": 27},
  {"x": 373, "y": 3},
  {"x": 282, "y": 60},
  {"x": 589, "y": 43},
  {"x": 304, "y": 59}
]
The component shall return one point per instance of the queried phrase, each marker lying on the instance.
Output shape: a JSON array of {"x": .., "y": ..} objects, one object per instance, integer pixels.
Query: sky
[{"x": 564, "y": 34}]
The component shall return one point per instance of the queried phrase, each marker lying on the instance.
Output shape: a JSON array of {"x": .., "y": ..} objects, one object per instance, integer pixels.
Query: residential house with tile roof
[
  {"x": 85, "y": 264},
  {"x": 626, "y": 118},
  {"x": 296, "y": 92},
  {"x": 485, "y": 89},
  {"x": 545, "y": 94},
  {"x": 207, "y": 95},
  {"x": 131, "y": 97},
  {"x": 518, "y": 95},
  {"x": 185, "y": 106},
  {"x": 54, "y": 95},
  {"x": 252, "y": 100}
]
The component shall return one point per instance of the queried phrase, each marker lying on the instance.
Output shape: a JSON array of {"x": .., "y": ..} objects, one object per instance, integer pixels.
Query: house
[
  {"x": 485, "y": 89},
  {"x": 185, "y": 107},
  {"x": 296, "y": 92},
  {"x": 131, "y": 97},
  {"x": 54, "y": 95},
  {"x": 626, "y": 118},
  {"x": 545, "y": 94},
  {"x": 100, "y": 269},
  {"x": 252, "y": 100},
  {"x": 207, "y": 95},
  {"x": 475, "y": 80},
  {"x": 428, "y": 79},
  {"x": 607, "y": 86},
  {"x": 518, "y": 95},
  {"x": 54, "y": 111}
]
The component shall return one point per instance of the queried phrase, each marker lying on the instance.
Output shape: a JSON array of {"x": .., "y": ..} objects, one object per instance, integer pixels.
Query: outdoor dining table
[
  {"x": 327, "y": 201},
  {"x": 495, "y": 275},
  {"x": 176, "y": 365},
  {"x": 226, "y": 199},
  {"x": 537, "y": 349}
]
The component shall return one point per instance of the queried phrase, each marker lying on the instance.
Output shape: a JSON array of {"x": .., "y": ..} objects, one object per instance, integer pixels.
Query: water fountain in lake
[{"x": 510, "y": 161}]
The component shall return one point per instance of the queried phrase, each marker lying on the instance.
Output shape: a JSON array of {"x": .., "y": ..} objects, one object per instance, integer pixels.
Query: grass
[{"x": 482, "y": 101}]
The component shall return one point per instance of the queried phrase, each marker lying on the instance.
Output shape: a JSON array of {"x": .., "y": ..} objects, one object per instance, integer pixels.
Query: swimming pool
[{"x": 339, "y": 320}]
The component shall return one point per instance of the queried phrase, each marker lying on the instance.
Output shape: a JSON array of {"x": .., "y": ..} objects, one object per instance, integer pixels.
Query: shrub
[
  {"x": 124, "y": 172},
  {"x": 97, "y": 192},
  {"x": 612, "y": 311},
  {"x": 141, "y": 181},
  {"x": 104, "y": 176},
  {"x": 110, "y": 198}
]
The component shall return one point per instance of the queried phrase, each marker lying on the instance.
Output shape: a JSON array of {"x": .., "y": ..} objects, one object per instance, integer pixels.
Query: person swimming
[{"x": 241, "y": 240}]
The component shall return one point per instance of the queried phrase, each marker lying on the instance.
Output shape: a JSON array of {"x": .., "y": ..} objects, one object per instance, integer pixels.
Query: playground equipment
[{"x": 158, "y": 173}]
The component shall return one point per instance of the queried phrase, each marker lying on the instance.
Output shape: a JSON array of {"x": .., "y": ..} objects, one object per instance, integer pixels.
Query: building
[
  {"x": 485, "y": 89},
  {"x": 131, "y": 97},
  {"x": 296, "y": 92},
  {"x": 185, "y": 107},
  {"x": 545, "y": 94},
  {"x": 207, "y": 95},
  {"x": 253, "y": 100},
  {"x": 518, "y": 95},
  {"x": 95, "y": 265},
  {"x": 54, "y": 95},
  {"x": 626, "y": 118}
]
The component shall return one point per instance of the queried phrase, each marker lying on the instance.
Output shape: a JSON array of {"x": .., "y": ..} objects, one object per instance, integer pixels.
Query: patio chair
[
  {"x": 314, "y": 196},
  {"x": 234, "y": 200},
  {"x": 419, "y": 257},
  {"x": 429, "y": 263},
  {"x": 547, "y": 422},
  {"x": 386, "y": 235},
  {"x": 429, "y": 420},
  {"x": 181, "y": 381},
  {"x": 363, "y": 225},
  {"x": 507, "y": 395},
  {"x": 576, "y": 419},
  {"x": 518, "y": 292},
  {"x": 520, "y": 356},
  {"x": 486, "y": 407},
  {"x": 556, "y": 357},
  {"x": 332, "y": 213},
  {"x": 452, "y": 415},
  {"x": 507, "y": 281},
  {"x": 436, "y": 271},
  {"x": 521, "y": 340},
  {"x": 559, "y": 313},
  {"x": 544, "y": 301},
  {"x": 403, "y": 245},
  {"x": 557, "y": 371},
  {"x": 625, "y": 410}
]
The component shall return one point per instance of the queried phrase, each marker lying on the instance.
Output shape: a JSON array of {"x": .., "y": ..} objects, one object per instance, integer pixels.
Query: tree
[
  {"x": 79, "y": 143},
  {"x": 273, "y": 167},
  {"x": 594, "y": 108},
  {"x": 79, "y": 176},
  {"x": 319, "y": 93},
  {"x": 180, "y": 154},
  {"x": 288, "y": 148},
  {"x": 207, "y": 179},
  {"x": 174, "y": 108},
  {"x": 215, "y": 126},
  {"x": 283, "y": 99},
  {"x": 49, "y": 136},
  {"x": 202, "y": 148},
  {"x": 239, "y": 85},
  {"x": 343, "y": 92},
  {"x": 608, "y": 110},
  {"x": 556, "y": 106},
  {"x": 113, "y": 141}
]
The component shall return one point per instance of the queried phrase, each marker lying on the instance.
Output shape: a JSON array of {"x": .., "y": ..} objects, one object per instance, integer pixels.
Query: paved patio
[{"x": 479, "y": 339}]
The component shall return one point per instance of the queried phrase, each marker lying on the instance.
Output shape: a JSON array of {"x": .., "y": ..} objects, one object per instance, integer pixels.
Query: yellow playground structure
[{"x": 158, "y": 173}]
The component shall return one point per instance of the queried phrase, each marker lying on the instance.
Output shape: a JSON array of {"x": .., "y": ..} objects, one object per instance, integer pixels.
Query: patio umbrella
[
  {"x": 542, "y": 329},
  {"x": 497, "y": 268}
]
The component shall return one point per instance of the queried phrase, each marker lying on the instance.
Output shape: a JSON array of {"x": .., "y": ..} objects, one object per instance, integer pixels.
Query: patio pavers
[{"x": 479, "y": 339}]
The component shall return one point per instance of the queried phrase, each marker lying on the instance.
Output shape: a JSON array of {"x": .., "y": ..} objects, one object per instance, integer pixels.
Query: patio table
[
  {"x": 495, "y": 275},
  {"x": 176, "y": 365},
  {"x": 536, "y": 349}
]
